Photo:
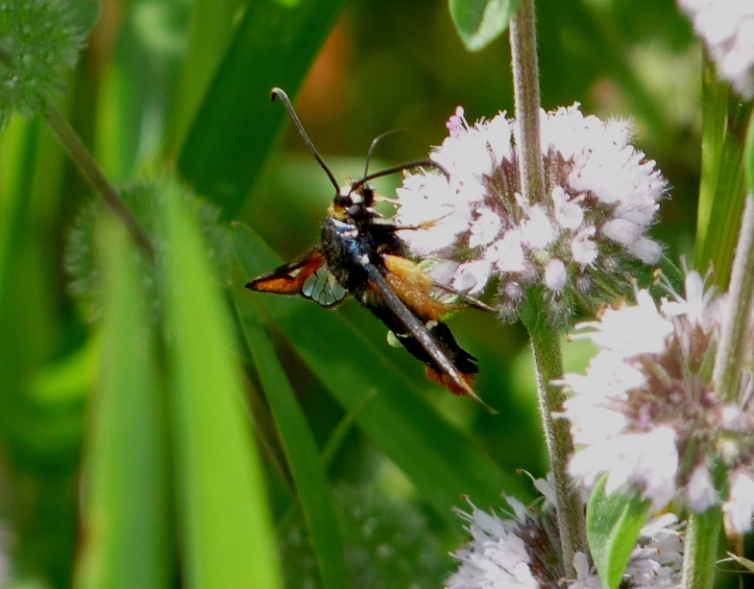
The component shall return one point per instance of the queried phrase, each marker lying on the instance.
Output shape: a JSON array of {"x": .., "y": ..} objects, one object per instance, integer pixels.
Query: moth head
[{"x": 353, "y": 200}]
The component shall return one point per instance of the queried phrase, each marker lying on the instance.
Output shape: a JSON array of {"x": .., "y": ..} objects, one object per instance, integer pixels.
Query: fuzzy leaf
[
  {"x": 479, "y": 22},
  {"x": 613, "y": 524}
]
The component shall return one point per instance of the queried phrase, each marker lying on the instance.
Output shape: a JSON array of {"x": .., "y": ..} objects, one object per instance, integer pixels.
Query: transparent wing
[{"x": 322, "y": 287}]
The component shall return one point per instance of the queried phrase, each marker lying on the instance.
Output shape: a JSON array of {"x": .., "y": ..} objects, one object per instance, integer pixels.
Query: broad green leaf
[
  {"x": 301, "y": 450},
  {"x": 274, "y": 45},
  {"x": 223, "y": 507},
  {"x": 441, "y": 462},
  {"x": 613, "y": 524},
  {"x": 722, "y": 185},
  {"x": 210, "y": 32},
  {"x": 127, "y": 513},
  {"x": 479, "y": 22}
]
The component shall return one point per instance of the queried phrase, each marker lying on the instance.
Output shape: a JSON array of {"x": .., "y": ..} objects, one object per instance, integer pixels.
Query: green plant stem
[
  {"x": 548, "y": 359},
  {"x": 89, "y": 168},
  {"x": 523, "y": 39},
  {"x": 730, "y": 356},
  {"x": 700, "y": 552},
  {"x": 545, "y": 339}
]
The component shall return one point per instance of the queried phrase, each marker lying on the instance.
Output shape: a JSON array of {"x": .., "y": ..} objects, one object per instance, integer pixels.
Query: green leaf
[
  {"x": 722, "y": 185},
  {"x": 274, "y": 45},
  {"x": 479, "y": 22},
  {"x": 223, "y": 506},
  {"x": 301, "y": 450},
  {"x": 441, "y": 462},
  {"x": 127, "y": 513},
  {"x": 613, "y": 524},
  {"x": 210, "y": 32}
]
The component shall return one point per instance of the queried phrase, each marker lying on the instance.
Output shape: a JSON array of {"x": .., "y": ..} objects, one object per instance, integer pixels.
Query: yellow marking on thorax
[{"x": 338, "y": 212}]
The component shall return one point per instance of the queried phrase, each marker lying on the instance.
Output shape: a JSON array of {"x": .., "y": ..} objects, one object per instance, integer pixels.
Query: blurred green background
[{"x": 179, "y": 86}]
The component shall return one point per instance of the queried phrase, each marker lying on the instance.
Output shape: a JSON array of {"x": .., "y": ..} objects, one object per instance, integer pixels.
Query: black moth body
[{"x": 361, "y": 254}]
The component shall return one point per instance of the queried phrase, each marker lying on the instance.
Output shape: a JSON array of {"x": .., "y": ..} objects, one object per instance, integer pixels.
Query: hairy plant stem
[
  {"x": 89, "y": 168},
  {"x": 700, "y": 549},
  {"x": 729, "y": 360},
  {"x": 548, "y": 359},
  {"x": 523, "y": 39},
  {"x": 545, "y": 339}
]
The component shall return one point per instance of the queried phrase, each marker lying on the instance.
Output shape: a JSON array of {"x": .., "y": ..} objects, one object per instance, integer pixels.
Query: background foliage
[{"x": 120, "y": 417}]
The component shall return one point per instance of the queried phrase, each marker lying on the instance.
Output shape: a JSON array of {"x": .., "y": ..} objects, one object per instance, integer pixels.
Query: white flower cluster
[
  {"x": 497, "y": 555},
  {"x": 601, "y": 197},
  {"x": 727, "y": 28},
  {"x": 646, "y": 412},
  {"x": 522, "y": 552}
]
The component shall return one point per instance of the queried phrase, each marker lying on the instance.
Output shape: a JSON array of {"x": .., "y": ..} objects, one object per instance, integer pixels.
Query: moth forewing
[
  {"x": 307, "y": 276},
  {"x": 421, "y": 334}
]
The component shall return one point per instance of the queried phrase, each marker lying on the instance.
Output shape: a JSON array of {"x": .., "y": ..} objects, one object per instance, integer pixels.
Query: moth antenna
[
  {"x": 279, "y": 93},
  {"x": 399, "y": 168},
  {"x": 373, "y": 145}
]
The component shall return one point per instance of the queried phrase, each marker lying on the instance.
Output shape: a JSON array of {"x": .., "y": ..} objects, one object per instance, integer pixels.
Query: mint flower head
[
  {"x": 646, "y": 412},
  {"x": 39, "y": 41},
  {"x": 520, "y": 551},
  {"x": 602, "y": 196}
]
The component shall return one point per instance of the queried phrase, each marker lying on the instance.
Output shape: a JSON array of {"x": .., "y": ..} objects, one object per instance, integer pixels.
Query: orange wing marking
[
  {"x": 308, "y": 276},
  {"x": 445, "y": 380},
  {"x": 414, "y": 288}
]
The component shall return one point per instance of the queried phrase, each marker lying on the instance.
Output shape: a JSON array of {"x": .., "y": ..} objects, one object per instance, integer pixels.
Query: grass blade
[
  {"x": 127, "y": 515},
  {"x": 274, "y": 45},
  {"x": 304, "y": 460},
  {"x": 223, "y": 504}
]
